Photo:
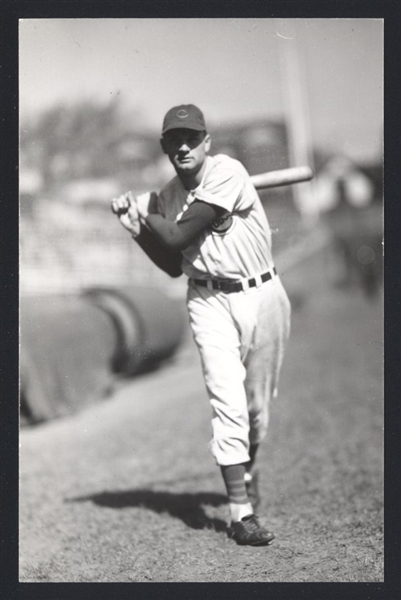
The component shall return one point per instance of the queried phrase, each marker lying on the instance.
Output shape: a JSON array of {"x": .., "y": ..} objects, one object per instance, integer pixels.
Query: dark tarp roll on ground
[
  {"x": 66, "y": 350},
  {"x": 72, "y": 347},
  {"x": 126, "y": 320},
  {"x": 150, "y": 324}
]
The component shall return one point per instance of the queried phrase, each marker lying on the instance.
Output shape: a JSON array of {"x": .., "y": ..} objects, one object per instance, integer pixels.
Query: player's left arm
[{"x": 177, "y": 236}]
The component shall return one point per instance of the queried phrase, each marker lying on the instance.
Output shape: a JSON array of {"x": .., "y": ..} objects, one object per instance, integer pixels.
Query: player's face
[{"x": 186, "y": 149}]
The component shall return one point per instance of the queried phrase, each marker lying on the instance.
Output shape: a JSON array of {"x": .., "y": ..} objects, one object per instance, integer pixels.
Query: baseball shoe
[
  {"x": 252, "y": 489},
  {"x": 249, "y": 532}
]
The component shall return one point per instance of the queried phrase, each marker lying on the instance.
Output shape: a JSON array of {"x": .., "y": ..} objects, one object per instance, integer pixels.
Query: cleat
[
  {"x": 252, "y": 489},
  {"x": 249, "y": 532}
]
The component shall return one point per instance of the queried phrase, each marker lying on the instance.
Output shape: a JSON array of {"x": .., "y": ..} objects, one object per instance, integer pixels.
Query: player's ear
[
  {"x": 163, "y": 145},
  {"x": 208, "y": 142}
]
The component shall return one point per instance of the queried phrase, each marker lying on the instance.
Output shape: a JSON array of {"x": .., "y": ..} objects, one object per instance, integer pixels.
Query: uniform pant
[{"x": 241, "y": 338}]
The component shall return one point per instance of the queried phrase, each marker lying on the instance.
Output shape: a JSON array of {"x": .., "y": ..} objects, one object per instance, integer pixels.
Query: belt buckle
[
  {"x": 214, "y": 284},
  {"x": 223, "y": 286}
]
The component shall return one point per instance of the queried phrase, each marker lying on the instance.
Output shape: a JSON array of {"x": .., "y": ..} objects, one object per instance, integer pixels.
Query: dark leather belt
[{"x": 228, "y": 285}]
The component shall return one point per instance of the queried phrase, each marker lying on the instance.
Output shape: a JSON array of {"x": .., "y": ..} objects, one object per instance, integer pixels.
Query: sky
[{"x": 234, "y": 69}]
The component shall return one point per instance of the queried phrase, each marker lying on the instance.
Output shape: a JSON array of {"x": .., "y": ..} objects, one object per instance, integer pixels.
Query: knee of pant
[
  {"x": 258, "y": 425},
  {"x": 259, "y": 420},
  {"x": 256, "y": 401},
  {"x": 258, "y": 398}
]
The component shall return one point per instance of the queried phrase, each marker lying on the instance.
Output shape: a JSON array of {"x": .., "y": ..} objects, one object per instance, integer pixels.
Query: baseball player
[{"x": 208, "y": 223}]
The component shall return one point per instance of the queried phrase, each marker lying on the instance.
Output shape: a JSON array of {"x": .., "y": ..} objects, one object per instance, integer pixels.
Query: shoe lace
[{"x": 251, "y": 522}]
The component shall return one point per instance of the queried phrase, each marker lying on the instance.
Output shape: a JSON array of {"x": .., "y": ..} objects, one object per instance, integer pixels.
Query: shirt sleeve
[
  {"x": 226, "y": 188},
  {"x": 178, "y": 236}
]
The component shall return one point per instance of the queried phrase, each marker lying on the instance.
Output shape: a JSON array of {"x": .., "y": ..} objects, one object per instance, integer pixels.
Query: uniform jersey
[{"x": 238, "y": 244}]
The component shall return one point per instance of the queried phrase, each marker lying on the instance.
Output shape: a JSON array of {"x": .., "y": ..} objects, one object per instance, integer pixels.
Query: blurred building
[
  {"x": 260, "y": 145},
  {"x": 340, "y": 182},
  {"x": 349, "y": 198}
]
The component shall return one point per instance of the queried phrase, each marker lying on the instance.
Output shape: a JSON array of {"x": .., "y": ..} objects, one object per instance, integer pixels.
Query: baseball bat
[
  {"x": 278, "y": 178},
  {"x": 281, "y": 177}
]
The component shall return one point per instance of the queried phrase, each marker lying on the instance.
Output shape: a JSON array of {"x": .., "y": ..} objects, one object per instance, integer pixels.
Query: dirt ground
[{"x": 127, "y": 491}]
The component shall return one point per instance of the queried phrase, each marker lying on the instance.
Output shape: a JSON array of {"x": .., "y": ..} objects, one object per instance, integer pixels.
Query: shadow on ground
[{"x": 190, "y": 508}]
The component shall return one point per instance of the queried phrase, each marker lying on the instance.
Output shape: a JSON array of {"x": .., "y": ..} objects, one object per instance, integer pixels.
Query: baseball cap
[{"x": 184, "y": 116}]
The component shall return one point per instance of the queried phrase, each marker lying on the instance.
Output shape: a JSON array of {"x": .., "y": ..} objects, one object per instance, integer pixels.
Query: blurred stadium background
[{"x": 83, "y": 141}]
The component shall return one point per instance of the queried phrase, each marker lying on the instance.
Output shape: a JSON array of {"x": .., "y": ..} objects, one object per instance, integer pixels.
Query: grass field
[{"x": 127, "y": 491}]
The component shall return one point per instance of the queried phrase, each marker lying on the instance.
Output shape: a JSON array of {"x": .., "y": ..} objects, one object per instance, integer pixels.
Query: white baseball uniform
[{"x": 241, "y": 335}]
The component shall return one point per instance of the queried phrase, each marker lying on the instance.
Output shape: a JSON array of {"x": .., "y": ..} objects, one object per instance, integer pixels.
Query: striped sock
[
  {"x": 234, "y": 479},
  {"x": 233, "y": 476}
]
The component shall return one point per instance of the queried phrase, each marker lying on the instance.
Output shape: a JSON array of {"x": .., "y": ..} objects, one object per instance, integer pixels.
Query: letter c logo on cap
[{"x": 182, "y": 114}]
